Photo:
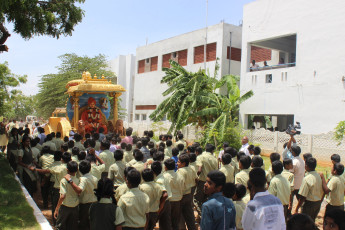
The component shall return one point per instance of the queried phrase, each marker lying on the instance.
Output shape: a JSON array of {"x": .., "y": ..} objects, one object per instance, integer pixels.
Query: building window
[
  {"x": 143, "y": 117},
  {"x": 235, "y": 53},
  {"x": 147, "y": 60},
  {"x": 211, "y": 53},
  {"x": 179, "y": 56},
  {"x": 268, "y": 78},
  {"x": 173, "y": 54},
  {"x": 137, "y": 117},
  {"x": 148, "y": 65}
]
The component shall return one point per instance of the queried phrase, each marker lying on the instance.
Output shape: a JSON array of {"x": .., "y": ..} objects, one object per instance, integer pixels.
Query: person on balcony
[{"x": 254, "y": 66}]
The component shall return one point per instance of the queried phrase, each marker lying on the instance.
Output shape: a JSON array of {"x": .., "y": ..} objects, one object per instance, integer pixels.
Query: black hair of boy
[
  {"x": 338, "y": 217},
  {"x": 306, "y": 156},
  {"x": 127, "y": 169},
  {"x": 139, "y": 156},
  {"x": 257, "y": 150},
  {"x": 129, "y": 132},
  {"x": 57, "y": 155},
  {"x": 257, "y": 162},
  {"x": 286, "y": 162},
  {"x": 158, "y": 156},
  {"x": 229, "y": 190},
  {"x": 277, "y": 167},
  {"x": 66, "y": 157},
  {"x": 257, "y": 177},
  {"x": 150, "y": 134},
  {"x": 192, "y": 157},
  {"x": 145, "y": 141},
  {"x": 123, "y": 145},
  {"x": 209, "y": 148},
  {"x": 84, "y": 167},
  {"x": 77, "y": 137},
  {"x": 87, "y": 136},
  {"x": 241, "y": 191},
  {"x": 240, "y": 154},
  {"x": 70, "y": 144},
  {"x": 245, "y": 161},
  {"x": 160, "y": 148},
  {"x": 339, "y": 168},
  {"x": 274, "y": 157},
  {"x": 180, "y": 147},
  {"x": 217, "y": 177},
  {"x": 226, "y": 158},
  {"x": 168, "y": 143},
  {"x": 91, "y": 158},
  {"x": 139, "y": 145},
  {"x": 58, "y": 135},
  {"x": 81, "y": 155},
  {"x": 191, "y": 149},
  {"x": 152, "y": 152},
  {"x": 251, "y": 148},
  {"x": 311, "y": 163},
  {"x": 161, "y": 145},
  {"x": 92, "y": 142},
  {"x": 128, "y": 147},
  {"x": 296, "y": 150},
  {"x": 75, "y": 151},
  {"x": 156, "y": 167},
  {"x": 336, "y": 158},
  {"x": 33, "y": 143},
  {"x": 184, "y": 158},
  {"x": 300, "y": 221},
  {"x": 170, "y": 164},
  {"x": 180, "y": 136},
  {"x": 105, "y": 144},
  {"x": 134, "y": 178},
  {"x": 232, "y": 151},
  {"x": 66, "y": 139},
  {"x": 198, "y": 150},
  {"x": 150, "y": 145},
  {"x": 72, "y": 166},
  {"x": 175, "y": 152},
  {"x": 45, "y": 150},
  {"x": 95, "y": 136},
  {"x": 118, "y": 154},
  {"x": 147, "y": 175}
]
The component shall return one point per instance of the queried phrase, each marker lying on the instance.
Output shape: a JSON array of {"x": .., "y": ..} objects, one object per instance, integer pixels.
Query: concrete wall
[
  {"x": 148, "y": 89},
  {"x": 313, "y": 90}
]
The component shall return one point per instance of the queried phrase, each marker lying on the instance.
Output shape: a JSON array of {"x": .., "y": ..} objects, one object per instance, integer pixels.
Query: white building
[
  {"x": 124, "y": 67},
  {"x": 188, "y": 50},
  {"x": 307, "y": 38}
]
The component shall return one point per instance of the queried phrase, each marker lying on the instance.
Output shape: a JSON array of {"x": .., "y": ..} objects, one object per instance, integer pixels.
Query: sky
[{"x": 112, "y": 28}]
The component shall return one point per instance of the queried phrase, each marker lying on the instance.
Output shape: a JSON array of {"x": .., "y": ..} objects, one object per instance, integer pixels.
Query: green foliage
[
  {"x": 52, "y": 87},
  {"x": 19, "y": 106},
  {"x": 339, "y": 131},
  {"x": 8, "y": 81},
  {"x": 47, "y": 17},
  {"x": 158, "y": 127}
]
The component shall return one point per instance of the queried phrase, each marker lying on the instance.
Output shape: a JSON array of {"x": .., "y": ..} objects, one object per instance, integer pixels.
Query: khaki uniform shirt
[
  {"x": 311, "y": 187},
  {"x": 71, "y": 200},
  {"x": 127, "y": 156},
  {"x": 51, "y": 145},
  {"x": 79, "y": 145},
  {"x": 87, "y": 184},
  {"x": 98, "y": 145},
  {"x": 45, "y": 161},
  {"x": 119, "y": 219},
  {"x": 208, "y": 162},
  {"x": 117, "y": 173},
  {"x": 189, "y": 177},
  {"x": 269, "y": 174},
  {"x": 181, "y": 142},
  {"x": 160, "y": 180},
  {"x": 242, "y": 177},
  {"x": 122, "y": 189},
  {"x": 134, "y": 204},
  {"x": 75, "y": 158},
  {"x": 281, "y": 188},
  {"x": 96, "y": 170},
  {"x": 59, "y": 172},
  {"x": 240, "y": 206},
  {"x": 194, "y": 167},
  {"x": 139, "y": 165},
  {"x": 289, "y": 176},
  {"x": 168, "y": 151},
  {"x": 337, "y": 187},
  {"x": 36, "y": 153},
  {"x": 108, "y": 158},
  {"x": 131, "y": 163},
  {"x": 234, "y": 163},
  {"x": 176, "y": 183},
  {"x": 58, "y": 142},
  {"x": 228, "y": 171},
  {"x": 154, "y": 191},
  {"x": 53, "y": 177}
]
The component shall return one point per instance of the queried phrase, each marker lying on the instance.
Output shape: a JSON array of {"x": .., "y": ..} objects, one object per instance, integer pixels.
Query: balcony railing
[{"x": 285, "y": 65}]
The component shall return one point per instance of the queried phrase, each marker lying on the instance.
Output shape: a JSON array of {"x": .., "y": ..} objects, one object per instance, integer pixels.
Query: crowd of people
[{"x": 108, "y": 182}]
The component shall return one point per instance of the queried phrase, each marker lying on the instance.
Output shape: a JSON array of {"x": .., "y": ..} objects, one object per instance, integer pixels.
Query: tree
[
  {"x": 52, "y": 87},
  {"x": 185, "y": 88},
  {"x": 47, "y": 17},
  {"x": 19, "y": 106},
  {"x": 8, "y": 82}
]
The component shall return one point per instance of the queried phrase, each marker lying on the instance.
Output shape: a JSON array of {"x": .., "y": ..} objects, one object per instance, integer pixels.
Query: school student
[
  {"x": 104, "y": 214},
  {"x": 175, "y": 152},
  {"x": 116, "y": 170},
  {"x": 234, "y": 161},
  {"x": 310, "y": 191},
  {"x": 168, "y": 149},
  {"x": 106, "y": 156},
  {"x": 134, "y": 203},
  {"x": 269, "y": 173},
  {"x": 227, "y": 169},
  {"x": 257, "y": 162},
  {"x": 156, "y": 195},
  {"x": 287, "y": 163},
  {"x": 175, "y": 182},
  {"x": 240, "y": 206},
  {"x": 66, "y": 212},
  {"x": 165, "y": 214},
  {"x": 123, "y": 188},
  {"x": 280, "y": 186},
  {"x": 96, "y": 170},
  {"x": 128, "y": 154},
  {"x": 256, "y": 152},
  {"x": 243, "y": 176},
  {"x": 334, "y": 188},
  {"x": 45, "y": 162},
  {"x": 85, "y": 190},
  {"x": 189, "y": 177},
  {"x": 139, "y": 164}
]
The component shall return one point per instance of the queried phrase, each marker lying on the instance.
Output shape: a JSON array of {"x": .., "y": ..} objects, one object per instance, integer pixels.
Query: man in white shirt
[
  {"x": 245, "y": 146},
  {"x": 264, "y": 211},
  {"x": 297, "y": 170}
]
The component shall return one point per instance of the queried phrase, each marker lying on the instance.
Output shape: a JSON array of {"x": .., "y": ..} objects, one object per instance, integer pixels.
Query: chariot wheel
[
  {"x": 64, "y": 127},
  {"x": 47, "y": 129}
]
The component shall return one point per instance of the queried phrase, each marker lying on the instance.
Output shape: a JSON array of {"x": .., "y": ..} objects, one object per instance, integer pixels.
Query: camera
[{"x": 292, "y": 129}]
